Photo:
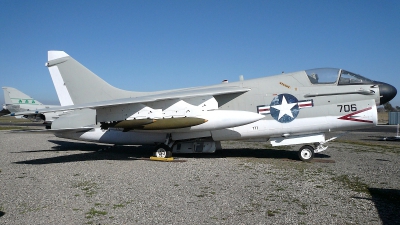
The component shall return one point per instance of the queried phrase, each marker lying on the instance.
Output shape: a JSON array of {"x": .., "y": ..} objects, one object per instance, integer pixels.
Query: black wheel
[
  {"x": 163, "y": 151},
  {"x": 306, "y": 153}
]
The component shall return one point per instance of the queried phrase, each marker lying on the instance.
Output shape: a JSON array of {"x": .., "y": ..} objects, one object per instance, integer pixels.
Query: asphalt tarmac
[{"x": 48, "y": 180}]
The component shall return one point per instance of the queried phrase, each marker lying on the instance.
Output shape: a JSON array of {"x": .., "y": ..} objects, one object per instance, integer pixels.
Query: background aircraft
[
  {"x": 17, "y": 101},
  {"x": 287, "y": 109}
]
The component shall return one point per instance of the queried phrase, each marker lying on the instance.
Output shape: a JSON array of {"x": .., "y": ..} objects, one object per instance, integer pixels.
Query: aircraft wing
[{"x": 159, "y": 96}]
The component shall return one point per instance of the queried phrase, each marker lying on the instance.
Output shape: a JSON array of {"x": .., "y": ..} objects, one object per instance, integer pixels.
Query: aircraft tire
[
  {"x": 162, "y": 151},
  {"x": 306, "y": 153}
]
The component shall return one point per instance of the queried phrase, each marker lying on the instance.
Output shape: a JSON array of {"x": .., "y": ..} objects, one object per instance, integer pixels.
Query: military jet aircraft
[
  {"x": 17, "y": 101},
  {"x": 286, "y": 109}
]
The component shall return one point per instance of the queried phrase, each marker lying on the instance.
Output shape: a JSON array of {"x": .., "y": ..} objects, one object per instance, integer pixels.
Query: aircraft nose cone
[{"x": 387, "y": 92}]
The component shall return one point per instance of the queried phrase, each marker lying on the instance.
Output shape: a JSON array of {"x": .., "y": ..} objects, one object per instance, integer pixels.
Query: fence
[{"x": 394, "y": 118}]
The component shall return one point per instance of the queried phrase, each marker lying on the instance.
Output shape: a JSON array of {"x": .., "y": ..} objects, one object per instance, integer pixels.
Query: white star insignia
[{"x": 284, "y": 108}]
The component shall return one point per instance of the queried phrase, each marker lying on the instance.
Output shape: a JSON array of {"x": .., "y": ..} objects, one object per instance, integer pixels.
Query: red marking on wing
[{"x": 349, "y": 116}]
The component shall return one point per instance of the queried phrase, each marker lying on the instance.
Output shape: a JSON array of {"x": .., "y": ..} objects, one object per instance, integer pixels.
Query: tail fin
[
  {"x": 75, "y": 84},
  {"x": 13, "y": 96}
]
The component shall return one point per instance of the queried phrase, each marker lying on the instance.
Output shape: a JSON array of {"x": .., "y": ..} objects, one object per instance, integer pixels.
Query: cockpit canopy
[{"x": 335, "y": 76}]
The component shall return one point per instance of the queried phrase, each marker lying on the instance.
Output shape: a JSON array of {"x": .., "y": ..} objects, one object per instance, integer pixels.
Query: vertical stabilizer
[
  {"x": 13, "y": 96},
  {"x": 75, "y": 84}
]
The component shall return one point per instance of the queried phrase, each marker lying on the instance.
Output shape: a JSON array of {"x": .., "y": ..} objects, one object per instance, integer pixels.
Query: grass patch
[
  {"x": 354, "y": 184},
  {"x": 270, "y": 213},
  {"x": 12, "y": 119},
  {"x": 122, "y": 205},
  {"x": 88, "y": 187},
  {"x": 115, "y": 206},
  {"x": 27, "y": 208},
  {"x": 93, "y": 212},
  {"x": 11, "y": 128},
  {"x": 379, "y": 148}
]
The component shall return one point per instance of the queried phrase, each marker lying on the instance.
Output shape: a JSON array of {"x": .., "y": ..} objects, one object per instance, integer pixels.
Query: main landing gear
[{"x": 164, "y": 150}]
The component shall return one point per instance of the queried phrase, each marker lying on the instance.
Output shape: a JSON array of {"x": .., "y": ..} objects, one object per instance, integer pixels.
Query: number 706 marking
[{"x": 348, "y": 108}]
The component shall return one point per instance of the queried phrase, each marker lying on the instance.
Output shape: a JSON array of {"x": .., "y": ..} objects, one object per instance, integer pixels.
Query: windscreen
[{"x": 347, "y": 78}]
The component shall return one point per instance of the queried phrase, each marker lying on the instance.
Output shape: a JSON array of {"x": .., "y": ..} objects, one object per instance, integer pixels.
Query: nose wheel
[{"x": 306, "y": 153}]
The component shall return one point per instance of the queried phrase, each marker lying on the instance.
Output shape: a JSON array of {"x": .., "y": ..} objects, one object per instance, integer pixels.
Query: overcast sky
[{"x": 157, "y": 45}]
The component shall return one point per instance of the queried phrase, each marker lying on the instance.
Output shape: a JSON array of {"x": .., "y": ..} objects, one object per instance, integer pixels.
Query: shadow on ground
[
  {"x": 387, "y": 202},
  {"x": 79, "y": 151}
]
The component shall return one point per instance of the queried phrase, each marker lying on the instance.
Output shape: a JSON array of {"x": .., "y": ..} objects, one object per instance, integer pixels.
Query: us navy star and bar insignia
[{"x": 284, "y": 108}]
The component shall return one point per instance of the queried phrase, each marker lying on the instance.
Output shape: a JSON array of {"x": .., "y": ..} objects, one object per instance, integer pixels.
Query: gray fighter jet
[
  {"x": 286, "y": 109},
  {"x": 17, "y": 101}
]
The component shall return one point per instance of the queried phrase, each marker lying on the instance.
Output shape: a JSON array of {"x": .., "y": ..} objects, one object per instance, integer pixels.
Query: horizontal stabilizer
[{"x": 53, "y": 131}]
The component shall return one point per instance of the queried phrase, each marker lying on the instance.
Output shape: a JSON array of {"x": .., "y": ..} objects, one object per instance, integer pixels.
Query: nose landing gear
[{"x": 306, "y": 152}]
